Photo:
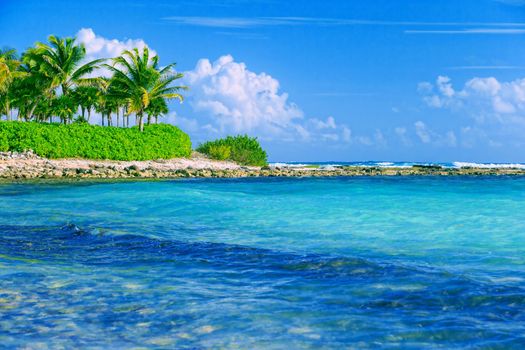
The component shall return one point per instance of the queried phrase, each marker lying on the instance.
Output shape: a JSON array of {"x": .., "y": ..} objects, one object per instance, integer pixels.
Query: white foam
[
  {"x": 489, "y": 165},
  {"x": 288, "y": 165}
]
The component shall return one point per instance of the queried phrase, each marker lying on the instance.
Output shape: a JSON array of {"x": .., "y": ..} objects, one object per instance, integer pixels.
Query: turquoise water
[{"x": 404, "y": 262}]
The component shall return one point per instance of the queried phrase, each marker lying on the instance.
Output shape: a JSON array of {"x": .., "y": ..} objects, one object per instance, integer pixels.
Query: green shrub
[
  {"x": 243, "y": 149},
  {"x": 81, "y": 140},
  {"x": 219, "y": 152},
  {"x": 4, "y": 142}
]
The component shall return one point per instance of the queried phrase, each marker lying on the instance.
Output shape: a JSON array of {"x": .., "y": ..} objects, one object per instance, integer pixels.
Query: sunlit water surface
[{"x": 264, "y": 264}]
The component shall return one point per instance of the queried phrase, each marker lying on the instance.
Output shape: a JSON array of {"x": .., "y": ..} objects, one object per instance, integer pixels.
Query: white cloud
[
  {"x": 240, "y": 100},
  {"x": 483, "y": 86},
  {"x": 444, "y": 86},
  {"x": 482, "y": 98},
  {"x": 330, "y": 137},
  {"x": 100, "y": 47},
  {"x": 233, "y": 99},
  {"x": 422, "y": 132},
  {"x": 320, "y": 124}
]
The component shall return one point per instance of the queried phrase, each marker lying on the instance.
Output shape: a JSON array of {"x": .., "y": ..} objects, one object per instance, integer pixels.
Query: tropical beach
[
  {"x": 339, "y": 175},
  {"x": 29, "y": 166}
]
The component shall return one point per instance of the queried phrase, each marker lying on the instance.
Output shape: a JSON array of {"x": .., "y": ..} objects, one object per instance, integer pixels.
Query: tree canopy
[{"x": 55, "y": 79}]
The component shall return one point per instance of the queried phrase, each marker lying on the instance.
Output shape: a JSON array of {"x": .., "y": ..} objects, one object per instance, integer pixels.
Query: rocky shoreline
[{"x": 27, "y": 165}]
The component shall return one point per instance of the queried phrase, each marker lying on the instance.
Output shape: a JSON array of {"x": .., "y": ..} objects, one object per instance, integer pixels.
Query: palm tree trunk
[
  {"x": 30, "y": 112},
  {"x": 141, "y": 122},
  {"x": 156, "y": 119},
  {"x": 89, "y": 114},
  {"x": 149, "y": 119},
  {"x": 102, "y": 119},
  {"x": 118, "y": 116},
  {"x": 7, "y": 110}
]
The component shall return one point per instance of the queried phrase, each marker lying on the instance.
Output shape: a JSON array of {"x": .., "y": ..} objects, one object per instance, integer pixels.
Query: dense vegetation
[
  {"x": 242, "y": 149},
  {"x": 54, "y": 80},
  {"x": 82, "y": 140}
]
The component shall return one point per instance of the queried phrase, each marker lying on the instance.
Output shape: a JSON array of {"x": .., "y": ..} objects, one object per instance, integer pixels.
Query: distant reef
[{"x": 27, "y": 165}]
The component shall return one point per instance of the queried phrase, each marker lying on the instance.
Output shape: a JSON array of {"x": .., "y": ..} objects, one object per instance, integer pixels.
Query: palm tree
[
  {"x": 156, "y": 108},
  {"x": 61, "y": 62},
  {"x": 44, "y": 110},
  {"x": 31, "y": 87},
  {"x": 9, "y": 64},
  {"x": 137, "y": 80},
  {"x": 29, "y": 90},
  {"x": 86, "y": 98},
  {"x": 106, "y": 103},
  {"x": 100, "y": 105},
  {"x": 64, "y": 107},
  {"x": 52, "y": 69},
  {"x": 118, "y": 107}
]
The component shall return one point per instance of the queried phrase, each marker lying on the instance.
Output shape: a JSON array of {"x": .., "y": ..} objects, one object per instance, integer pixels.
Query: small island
[{"x": 48, "y": 96}]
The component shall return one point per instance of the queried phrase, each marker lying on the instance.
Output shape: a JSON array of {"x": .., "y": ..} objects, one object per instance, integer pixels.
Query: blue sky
[{"x": 436, "y": 80}]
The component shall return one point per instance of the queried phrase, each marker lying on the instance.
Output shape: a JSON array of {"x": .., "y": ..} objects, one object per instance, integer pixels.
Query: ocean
[
  {"x": 266, "y": 263},
  {"x": 387, "y": 164}
]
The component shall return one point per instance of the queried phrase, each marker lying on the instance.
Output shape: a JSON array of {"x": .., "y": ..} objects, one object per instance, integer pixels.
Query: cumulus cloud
[
  {"x": 496, "y": 107},
  {"x": 444, "y": 86},
  {"x": 227, "y": 95},
  {"x": 100, "y": 47},
  {"x": 480, "y": 97},
  {"x": 240, "y": 100}
]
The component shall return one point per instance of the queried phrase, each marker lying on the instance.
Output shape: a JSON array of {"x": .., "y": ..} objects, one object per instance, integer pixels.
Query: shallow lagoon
[{"x": 411, "y": 262}]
